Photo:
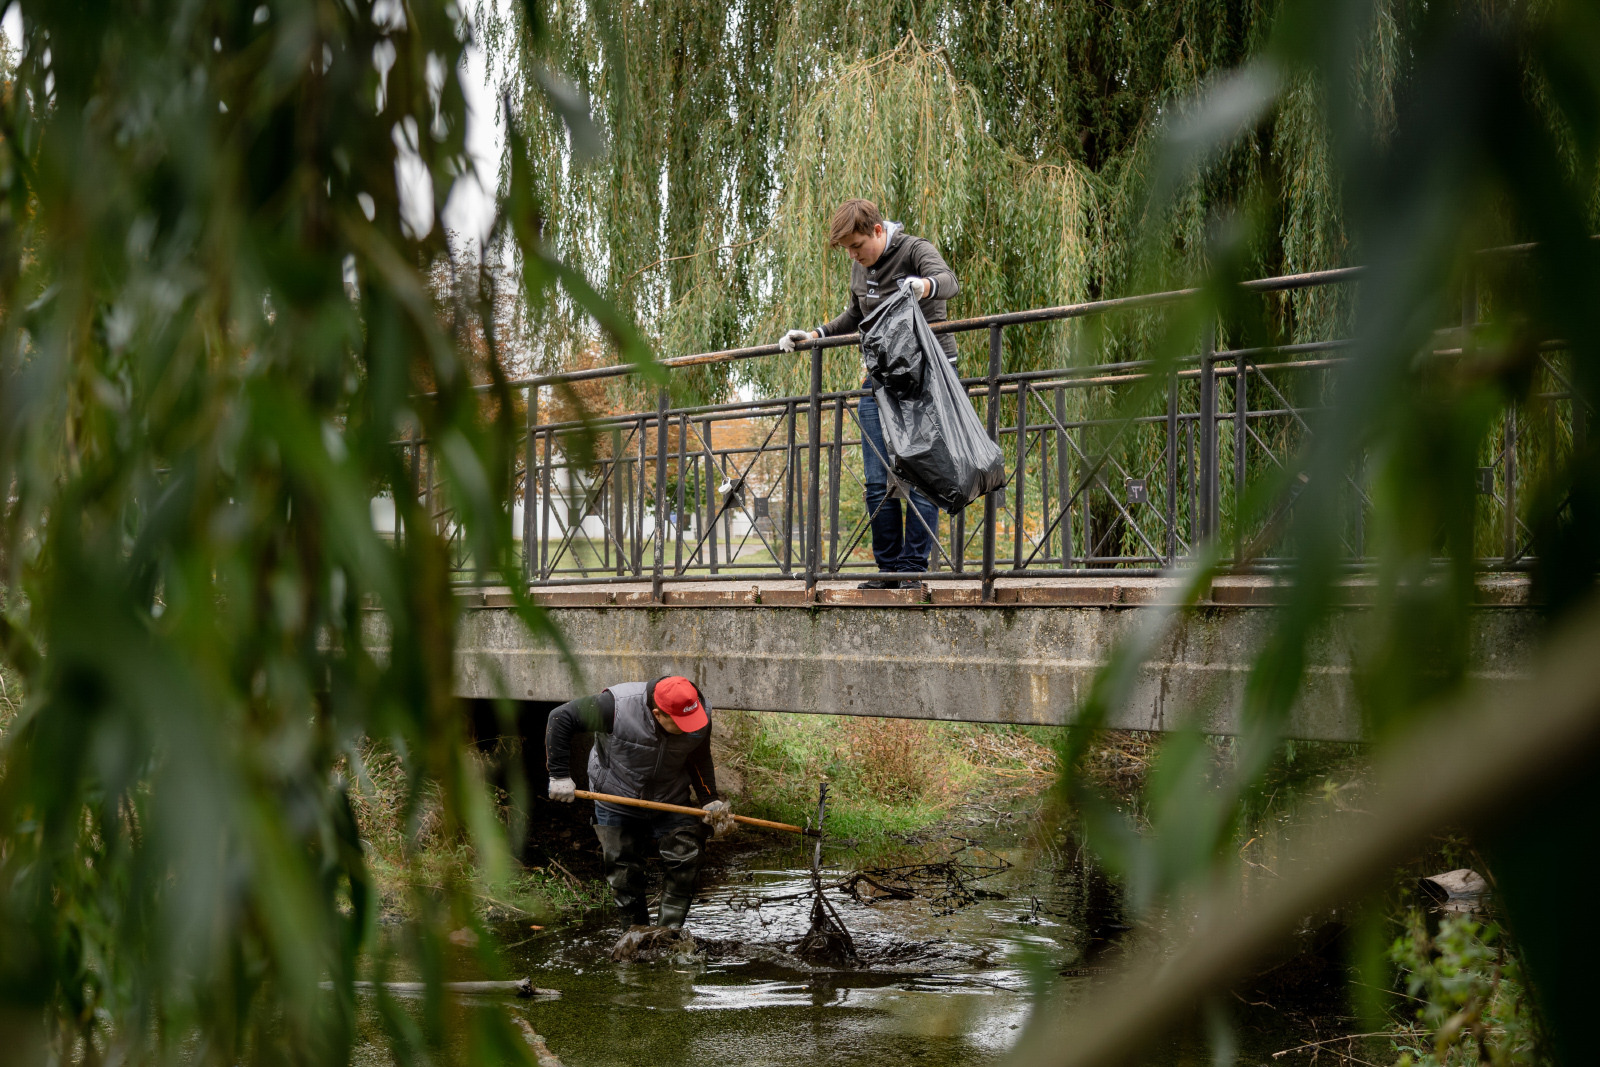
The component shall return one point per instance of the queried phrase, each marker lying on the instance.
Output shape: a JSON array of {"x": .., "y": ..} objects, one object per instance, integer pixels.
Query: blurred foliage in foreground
[
  {"x": 217, "y": 319},
  {"x": 1495, "y": 132},
  {"x": 217, "y": 229}
]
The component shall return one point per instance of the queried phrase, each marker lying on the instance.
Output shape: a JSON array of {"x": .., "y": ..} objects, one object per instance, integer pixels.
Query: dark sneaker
[{"x": 880, "y": 583}]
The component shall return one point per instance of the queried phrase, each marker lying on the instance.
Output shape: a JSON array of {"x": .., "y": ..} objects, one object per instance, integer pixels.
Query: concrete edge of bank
[{"x": 1493, "y": 590}]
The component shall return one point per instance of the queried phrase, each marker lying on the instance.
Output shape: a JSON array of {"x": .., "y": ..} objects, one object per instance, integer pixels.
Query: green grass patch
[
  {"x": 408, "y": 852},
  {"x": 886, "y": 776}
]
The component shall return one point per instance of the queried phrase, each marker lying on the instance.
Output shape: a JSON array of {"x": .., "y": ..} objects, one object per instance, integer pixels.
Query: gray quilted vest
[{"x": 638, "y": 758}]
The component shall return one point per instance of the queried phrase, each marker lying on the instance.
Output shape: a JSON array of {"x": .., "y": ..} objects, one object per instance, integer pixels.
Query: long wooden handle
[{"x": 655, "y": 805}]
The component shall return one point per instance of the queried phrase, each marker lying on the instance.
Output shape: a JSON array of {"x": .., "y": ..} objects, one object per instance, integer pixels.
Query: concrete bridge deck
[{"x": 1027, "y": 658}]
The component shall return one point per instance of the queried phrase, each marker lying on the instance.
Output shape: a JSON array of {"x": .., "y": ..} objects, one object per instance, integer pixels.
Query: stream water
[{"x": 942, "y": 984}]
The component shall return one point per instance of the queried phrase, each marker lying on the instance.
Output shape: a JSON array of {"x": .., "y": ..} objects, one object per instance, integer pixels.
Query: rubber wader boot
[
  {"x": 624, "y": 872},
  {"x": 680, "y": 851}
]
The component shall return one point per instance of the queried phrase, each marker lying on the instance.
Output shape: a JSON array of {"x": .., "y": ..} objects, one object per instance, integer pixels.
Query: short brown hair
[{"x": 854, "y": 216}]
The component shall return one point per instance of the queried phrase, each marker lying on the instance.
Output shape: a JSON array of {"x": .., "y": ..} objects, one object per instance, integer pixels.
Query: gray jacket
[
  {"x": 638, "y": 759},
  {"x": 904, "y": 256}
]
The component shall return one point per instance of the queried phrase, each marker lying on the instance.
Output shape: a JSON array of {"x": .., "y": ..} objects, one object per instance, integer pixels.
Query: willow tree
[
  {"x": 1016, "y": 136},
  {"x": 215, "y": 320}
]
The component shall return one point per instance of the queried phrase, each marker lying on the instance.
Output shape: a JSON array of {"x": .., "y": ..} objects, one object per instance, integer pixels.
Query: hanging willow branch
[{"x": 735, "y": 131}]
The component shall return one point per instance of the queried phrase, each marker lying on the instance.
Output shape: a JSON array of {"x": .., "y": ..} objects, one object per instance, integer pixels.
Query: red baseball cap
[{"x": 679, "y": 698}]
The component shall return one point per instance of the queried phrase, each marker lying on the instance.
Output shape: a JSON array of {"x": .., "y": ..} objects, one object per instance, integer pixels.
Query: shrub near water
[
  {"x": 1467, "y": 989},
  {"x": 895, "y": 760}
]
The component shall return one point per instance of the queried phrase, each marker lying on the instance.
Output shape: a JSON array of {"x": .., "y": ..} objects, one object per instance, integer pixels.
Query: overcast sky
[{"x": 470, "y": 209}]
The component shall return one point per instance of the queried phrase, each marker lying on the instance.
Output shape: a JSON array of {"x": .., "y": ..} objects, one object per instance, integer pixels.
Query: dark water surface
[{"x": 943, "y": 986}]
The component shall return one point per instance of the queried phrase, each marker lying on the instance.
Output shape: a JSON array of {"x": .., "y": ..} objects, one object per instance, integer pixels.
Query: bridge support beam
[{"x": 1001, "y": 664}]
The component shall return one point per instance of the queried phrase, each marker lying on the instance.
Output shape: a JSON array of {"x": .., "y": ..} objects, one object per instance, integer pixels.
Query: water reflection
[{"x": 945, "y": 985}]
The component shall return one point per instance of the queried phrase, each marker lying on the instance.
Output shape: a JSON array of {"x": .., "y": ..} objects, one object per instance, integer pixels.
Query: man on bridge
[
  {"x": 652, "y": 742},
  {"x": 882, "y": 255}
]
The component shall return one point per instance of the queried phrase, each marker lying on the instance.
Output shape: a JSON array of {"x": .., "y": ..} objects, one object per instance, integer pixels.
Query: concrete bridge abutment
[{"x": 1029, "y": 659}]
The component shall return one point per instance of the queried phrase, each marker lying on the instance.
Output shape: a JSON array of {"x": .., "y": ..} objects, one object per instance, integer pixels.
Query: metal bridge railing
[{"x": 773, "y": 489}]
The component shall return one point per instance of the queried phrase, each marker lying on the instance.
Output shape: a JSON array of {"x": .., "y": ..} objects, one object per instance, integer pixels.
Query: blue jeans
[{"x": 900, "y": 543}]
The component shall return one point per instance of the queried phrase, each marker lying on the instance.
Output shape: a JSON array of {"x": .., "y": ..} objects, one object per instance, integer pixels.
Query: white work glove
[
  {"x": 719, "y": 816},
  {"x": 920, "y": 287},
  {"x": 563, "y": 789},
  {"x": 787, "y": 342}
]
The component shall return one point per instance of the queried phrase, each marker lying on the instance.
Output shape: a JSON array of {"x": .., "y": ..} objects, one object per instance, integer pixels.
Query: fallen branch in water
[
  {"x": 946, "y": 884},
  {"x": 572, "y": 879},
  {"x": 521, "y": 987}
]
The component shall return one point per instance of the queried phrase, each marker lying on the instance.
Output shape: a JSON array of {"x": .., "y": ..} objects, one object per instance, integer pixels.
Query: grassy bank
[
  {"x": 888, "y": 776},
  {"x": 411, "y": 853}
]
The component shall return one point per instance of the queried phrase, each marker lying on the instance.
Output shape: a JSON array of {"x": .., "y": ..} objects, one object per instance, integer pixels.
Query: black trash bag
[
  {"x": 891, "y": 348},
  {"x": 935, "y": 440}
]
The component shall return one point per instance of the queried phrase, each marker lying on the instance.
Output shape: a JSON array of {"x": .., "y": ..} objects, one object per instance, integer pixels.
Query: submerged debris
[
  {"x": 654, "y": 943},
  {"x": 1460, "y": 890},
  {"x": 947, "y": 884},
  {"x": 827, "y": 942}
]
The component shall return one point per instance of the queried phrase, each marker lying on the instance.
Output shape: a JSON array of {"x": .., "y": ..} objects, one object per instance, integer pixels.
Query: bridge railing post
[
  {"x": 1170, "y": 504},
  {"x": 814, "y": 475},
  {"x": 989, "y": 499},
  {"x": 835, "y": 462},
  {"x": 678, "y": 514},
  {"x": 709, "y": 483},
  {"x": 541, "y": 532},
  {"x": 791, "y": 485},
  {"x": 1020, "y": 505},
  {"x": 1241, "y": 444},
  {"x": 637, "y": 489},
  {"x": 1064, "y": 477},
  {"x": 661, "y": 495},
  {"x": 530, "y": 475},
  {"x": 958, "y": 544},
  {"x": 1208, "y": 437}
]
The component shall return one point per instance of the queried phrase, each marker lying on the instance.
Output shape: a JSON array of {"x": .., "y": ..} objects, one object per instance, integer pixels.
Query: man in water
[
  {"x": 652, "y": 742},
  {"x": 881, "y": 255}
]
